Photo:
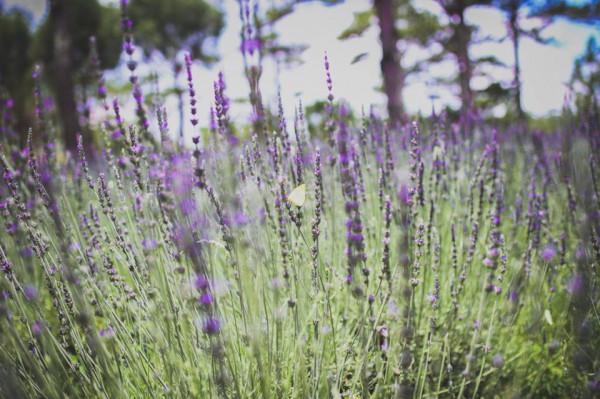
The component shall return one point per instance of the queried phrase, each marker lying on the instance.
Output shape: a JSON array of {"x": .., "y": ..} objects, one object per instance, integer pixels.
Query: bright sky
[{"x": 545, "y": 69}]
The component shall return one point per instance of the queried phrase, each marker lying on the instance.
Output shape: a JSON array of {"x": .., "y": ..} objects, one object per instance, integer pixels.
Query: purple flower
[
  {"x": 277, "y": 283},
  {"x": 156, "y": 173},
  {"x": 107, "y": 333},
  {"x": 221, "y": 103},
  {"x": 206, "y": 299},
  {"x": 233, "y": 140},
  {"x": 576, "y": 284},
  {"x": 251, "y": 45},
  {"x": 201, "y": 283},
  {"x": 354, "y": 237},
  {"x": 404, "y": 195},
  {"x": 117, "y": 134},
  {"x": 548, "y": 253},
  {"x": 594, "y": 385},
  {"x": 239, "y": 219},
  {"x": 149, "y": 244},
  {"x": 27, "y": 252},
  {"x": 493, "y": 253},
  {"x": 128, "y": 46},
  {"x": 188, "y": 206},
  {"x": 383, "y": 337},
  {"x": 138, "y": 148},
  {"x": 393, "y": 309},
  {"x": 181, "y": 175},
  {"x": 212, "y": 326},
  {"x": 553, "y": 346},
  {"x": 11, "y": 228},
  {"x": 580, "y": 252},
  {"x": 191, "y": 91},
  {"x": 498, "y": 361},
  {"x": 122, "y": 162},
  {"x": 74, "y": 246},
  {"x": 30, "y": 292},
  {"x": 328, "y": 78},
  {"x": 213, "y": 120},
  {"x": 36, "y": 328}
]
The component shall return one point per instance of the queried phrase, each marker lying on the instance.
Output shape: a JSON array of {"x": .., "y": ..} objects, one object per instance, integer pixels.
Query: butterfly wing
[{"x": 298, "y": 195}]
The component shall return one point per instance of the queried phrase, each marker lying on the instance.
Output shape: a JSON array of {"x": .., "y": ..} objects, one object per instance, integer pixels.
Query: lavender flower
[
  {"x": 355, "y": 251},
  {"x": 315, "y": 229},
  {"x": 36, "y": 328},
  {"x": 222, "y": 107},
  {"x": 548, "y": 253},
  {"x": 385, "y": 259},
  {"x": 498, "y": 361},
  {"x": 30, "y": 292},
  {"x": 330, "y": 124},
  {"x": 129, "y": 48},
  {"x": 191, "y": 91},
  {"x": 212, "y": 326},
  {"x": 107, "y": 333}
]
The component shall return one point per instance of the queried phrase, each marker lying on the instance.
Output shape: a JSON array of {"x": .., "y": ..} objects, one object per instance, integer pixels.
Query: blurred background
[{"x": 505, "y": 59}]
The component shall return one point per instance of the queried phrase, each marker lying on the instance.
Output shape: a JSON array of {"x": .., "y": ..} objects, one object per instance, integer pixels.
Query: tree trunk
[
  {"x": 63, "y": 73},
  {"x": 515, "y": 35},
  {"x": 465, "y": 69},
  {"x": 393, "y": 76}
]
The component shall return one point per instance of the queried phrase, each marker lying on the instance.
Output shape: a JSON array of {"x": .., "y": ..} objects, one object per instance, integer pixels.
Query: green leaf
[
  {"x": 359, "y": 57},
  {"x": 275, "y": 14},
  {"x": 362, "y": 22},
  {"x": 490, "y": 60}
]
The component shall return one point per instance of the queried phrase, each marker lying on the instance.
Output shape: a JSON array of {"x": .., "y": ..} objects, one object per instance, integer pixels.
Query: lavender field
[{"x": 318, "y": 251}]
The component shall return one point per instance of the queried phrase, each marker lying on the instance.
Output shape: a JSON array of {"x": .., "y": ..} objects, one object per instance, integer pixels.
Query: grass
[{"x": 150, "y": 274}]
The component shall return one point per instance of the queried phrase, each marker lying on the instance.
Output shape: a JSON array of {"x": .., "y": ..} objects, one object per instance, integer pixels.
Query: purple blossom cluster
[{"x": 241, "y": 265}]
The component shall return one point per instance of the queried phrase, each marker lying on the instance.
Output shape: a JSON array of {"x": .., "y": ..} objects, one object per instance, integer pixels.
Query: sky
[{"x": 545, "y": 69}]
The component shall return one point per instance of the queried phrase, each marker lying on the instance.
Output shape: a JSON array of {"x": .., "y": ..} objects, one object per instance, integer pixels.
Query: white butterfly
[{"x": 298, "y": 195}]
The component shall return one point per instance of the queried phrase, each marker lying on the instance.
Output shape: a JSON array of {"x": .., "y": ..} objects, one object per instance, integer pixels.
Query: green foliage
[
  {"x": 130, "y": 323},
  {"x": 413, "y": 25},
  {"x": 362, "y": 21},
  {"x": 275, "y": 14},
  {"x": 169, "y": 26},
  {"x": 495, "y": 93},
  {"x": 270, "y": 42},
  {"x": 420, "y": 26},
  {"x": 359, "y": 57},
  {"x": 85, "y": 18},
  {"x": 490, "y": 60},
  {"x": 587, "y": 12},
  {"x": 15, "y": 38},
  {"x": 585, "y": 80}
]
